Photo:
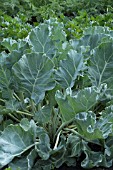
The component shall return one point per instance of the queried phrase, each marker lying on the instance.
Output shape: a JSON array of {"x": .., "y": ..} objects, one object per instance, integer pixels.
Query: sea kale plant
[{"x": 56, "y": 99}]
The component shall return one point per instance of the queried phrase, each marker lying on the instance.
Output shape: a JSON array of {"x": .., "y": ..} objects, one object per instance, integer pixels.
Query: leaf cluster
[{"x": 56, "y": 99}]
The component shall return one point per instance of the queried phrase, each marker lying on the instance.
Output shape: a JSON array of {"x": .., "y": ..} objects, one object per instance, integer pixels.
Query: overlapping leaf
[
  {"x": 84, "y": 100},
  {"x": 65, "y": 108},
  {"x": 69, "y": 69},
  {"x": 34, "y": 71},
  {"x": 13, "y": 142},
  {"x": 43, "y": 115},
  {"x": 40, "y": 40},
  {"x": 25, "y": 162},
  {"x": 92, "y": 129},
  {"x": 5, "y": 76},
  {"x": 97, "y": 30},
  {"x": 101, "y": 66}
]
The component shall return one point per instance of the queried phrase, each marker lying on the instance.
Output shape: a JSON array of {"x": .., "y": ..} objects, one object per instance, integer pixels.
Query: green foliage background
[{"x": 40, "y": 99}]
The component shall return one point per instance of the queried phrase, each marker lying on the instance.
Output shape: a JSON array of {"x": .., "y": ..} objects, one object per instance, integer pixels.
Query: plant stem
[
  {"x": 57, "y": 140},
  {"x": 13, "y": 117},
  {"x": 17, "y": 97},
  {"x": 2, "y": 100},
  {"x": 62, "y": 126},
  {"x": 25, "y": 113},
  {"x": 39, "y": 106},
  {"x": 33, "y": 106},
  {"x": 21, "y": 96}
]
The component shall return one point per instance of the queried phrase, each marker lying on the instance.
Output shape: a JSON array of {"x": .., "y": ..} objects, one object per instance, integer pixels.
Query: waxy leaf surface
[
  {"x": 101, "y": 66},
  {"x": 13, "y": 142},
  {"x": 69, "y": 69},
  {"x": 34, "y": 72}
]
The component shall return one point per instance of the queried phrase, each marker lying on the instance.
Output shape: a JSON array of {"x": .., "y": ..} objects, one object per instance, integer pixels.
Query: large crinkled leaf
[
  {"x": 101, "y": 66},
  {"x": 105, "y": 123},
  {"x": 5, "y": 75},
  {"x": 85, "y": 99},
  {"x": 16, "y": 54},
  {"x": 11, "y": 58},
  {"x": 69, "y": 69},
  {"x": 13, "y": 105},
  {"x": 14, "y": 141},
  {"x": 12, "y": 45},
  {"x": 86, "y": 125},
  {"x": 93, "y": 36},
  {"x": 109, "y": 148},
  {"x": 19, "y": 164},
  {"x": 76, "y": 146},
  {"x": 43, "y": 165},
  {"x": 92, "y": 159},
  {"x": 34, "y": 71},
  {"x": 91, "y": 128},
  {"x": 5, "y": 78},
  {"x": 95, "y": 159},
  {"x": 41, "y": 41},
  {"x": 3, "y": 57}
]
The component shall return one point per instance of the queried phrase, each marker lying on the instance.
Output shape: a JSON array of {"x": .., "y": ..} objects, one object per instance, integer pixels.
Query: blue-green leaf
[
  {"x": 40, "y": 40},
  {"x": 69, "y": 69},
  {"x": 101, "y": 66},
  {"x": 34, "y": 71},
  {"x": 13, "y": 142}
]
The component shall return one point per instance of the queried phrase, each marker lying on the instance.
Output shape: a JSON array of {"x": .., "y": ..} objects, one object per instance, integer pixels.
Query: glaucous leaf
[
  {"x": 43, "y": 146},
  {"x": 13, "y": 142},
  {"x": 95, "y": 159},
  {"x": 66, "y": 110},
  {"x": 91, "y": 128},
  {"x": 84, "y": 100},
  {"x": 74, "y": 145},
  {"x": 101, "y": 66},
  {"x": 43, "y": 115},
  {"x": 9, "y": 44},
  {"x": 5, "y": 81},
  {"x": 34, "y": 71},
  {"x": 41, "y": 41},
  {"x": 96, "y": 30},
  {"x": 24, "y": 162},
  {"x": 69, "y": 69}
]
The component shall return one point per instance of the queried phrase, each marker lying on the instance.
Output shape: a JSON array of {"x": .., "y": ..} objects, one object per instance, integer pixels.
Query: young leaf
[{"x": 9, "y": 44}]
